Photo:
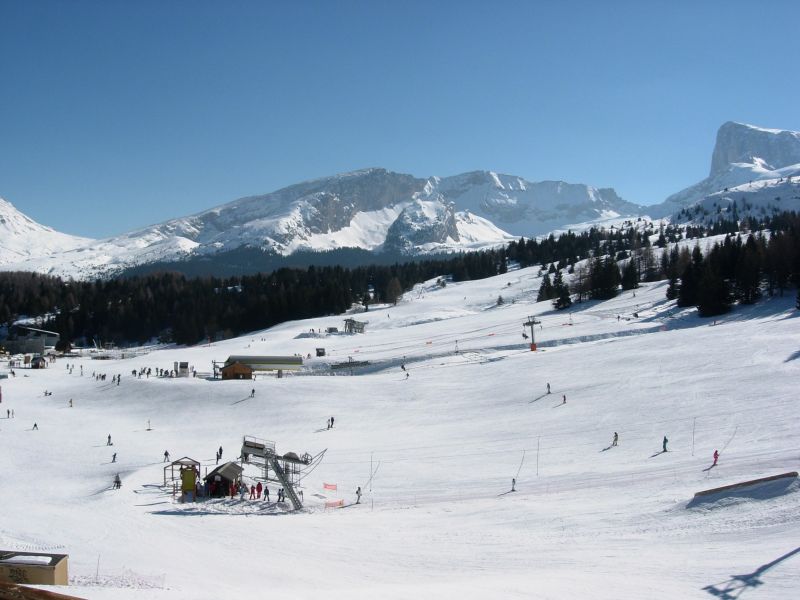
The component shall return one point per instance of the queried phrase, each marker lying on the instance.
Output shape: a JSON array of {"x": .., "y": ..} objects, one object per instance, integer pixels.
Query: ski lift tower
[
  {"x": 532, "y": 322},
  {"x": 282, "y": 469}
]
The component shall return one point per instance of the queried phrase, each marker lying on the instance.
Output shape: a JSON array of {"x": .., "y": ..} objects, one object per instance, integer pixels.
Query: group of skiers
[
  {"x": 330, "y": 423},
  {"x": 664, "y": 442}
]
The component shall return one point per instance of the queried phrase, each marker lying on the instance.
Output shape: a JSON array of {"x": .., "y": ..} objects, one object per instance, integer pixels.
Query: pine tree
[
  {"x": 630, "y": 276},
  {"x": 545, "y": 289},
  {"x": 713, "y": 296},
  {"x": 562, "y": 298}
]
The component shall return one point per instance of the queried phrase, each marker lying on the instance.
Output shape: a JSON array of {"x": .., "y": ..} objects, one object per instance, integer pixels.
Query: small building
[
  {"x": 218, "y": 481},
  {"x": 35, "y": 568},
  {"x": 236, "y": 370},
  {"x": 353, "y": 326},
  {"x": 182, "y": 369},
  {"x": 38, "y": 362},
  {"x": 23, "y": 339}
]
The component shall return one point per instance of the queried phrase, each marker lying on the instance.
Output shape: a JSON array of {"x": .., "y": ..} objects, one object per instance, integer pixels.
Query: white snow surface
[
  {"x": 438, "y": 519},
  {"x": 22, "y": 238}
]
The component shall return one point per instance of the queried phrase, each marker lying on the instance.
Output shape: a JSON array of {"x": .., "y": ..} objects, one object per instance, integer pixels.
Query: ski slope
[{"x": 438, "y": 520}]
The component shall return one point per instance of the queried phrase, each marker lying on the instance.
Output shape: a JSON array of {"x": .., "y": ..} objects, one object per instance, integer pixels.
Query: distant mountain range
[{"x": 394, "y": 214}]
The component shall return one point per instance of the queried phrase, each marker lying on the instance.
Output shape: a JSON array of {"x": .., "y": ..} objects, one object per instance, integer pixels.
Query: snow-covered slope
[
  {"x": 742, "y": 154},
  {"x": 434, "y": 453},
  {"x": 22, "y": 238},
  {"x": 758, "y": 198}
]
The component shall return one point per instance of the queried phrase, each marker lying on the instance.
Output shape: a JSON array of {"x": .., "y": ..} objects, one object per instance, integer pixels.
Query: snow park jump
[{"x": 765, "y": 487}]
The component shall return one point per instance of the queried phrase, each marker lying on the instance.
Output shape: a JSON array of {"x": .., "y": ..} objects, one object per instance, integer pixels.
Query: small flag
[{"x": 329, "y": 486}]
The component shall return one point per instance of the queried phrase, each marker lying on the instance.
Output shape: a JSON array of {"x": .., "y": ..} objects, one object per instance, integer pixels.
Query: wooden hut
[
  {"x": 237, "y": 370},
  {"x": 35, "y": 568},
  {"x": 218, "y": 481}
]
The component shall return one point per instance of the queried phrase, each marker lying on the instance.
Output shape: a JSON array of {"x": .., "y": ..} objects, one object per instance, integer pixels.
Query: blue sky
[{"x": 115, "y": 115}]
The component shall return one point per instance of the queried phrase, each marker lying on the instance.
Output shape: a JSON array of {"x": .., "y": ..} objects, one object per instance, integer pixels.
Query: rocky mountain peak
[{"x": 741, "y": 143}]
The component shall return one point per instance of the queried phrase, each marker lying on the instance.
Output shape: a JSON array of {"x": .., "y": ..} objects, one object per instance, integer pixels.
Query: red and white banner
[
  {"x": 334, "y": 504},
  {"x": 329, "y": 486}
]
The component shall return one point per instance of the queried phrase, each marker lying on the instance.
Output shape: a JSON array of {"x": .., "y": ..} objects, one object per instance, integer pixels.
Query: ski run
[{"x": 447, "y": 406}]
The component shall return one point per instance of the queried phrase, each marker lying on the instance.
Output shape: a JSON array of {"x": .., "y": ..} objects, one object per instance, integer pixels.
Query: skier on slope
[
  {"x": 108, "y": 443},
  {"x": 166, "y": 455},
  {"x": 716, "y": 458},
  {"x": 664, "y": 444},
  {"x": 616, "y": 439},
  {"x": 548, "y": 387},
  {"x": 358, "y": 495}
]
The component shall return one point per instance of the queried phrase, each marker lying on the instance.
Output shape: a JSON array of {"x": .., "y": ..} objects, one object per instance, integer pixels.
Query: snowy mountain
[
  {"x": 372, "y": 209},
  {"x": 22, "y": 238},
  {"x": 742, "y": 154},
  {"x": 531, "y": 208}
]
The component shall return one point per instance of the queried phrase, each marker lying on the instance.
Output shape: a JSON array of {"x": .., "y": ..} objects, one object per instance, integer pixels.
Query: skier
[
  {"x": 266, "y": 494},
  {"x": 70, "y": 402},
  {"x": 331, "y": 422},
  {"x": 358, "y": 495},
  {"x": 35, "y": 426},
  {"x": 253, "y": 393},
  {"x": 408, "y": 374},
  {"x": 114, "y": 457},
  {"x": 217, "y": 453},
  {"x": 242, "y": 490},
  {"x": 108, "y": 443},
  {"x": 716, "y": 458},
  {"x": 220, "y": 452},
  {"x": 117, "y": 482},
  {"x": 252, "y": 492},
  {"x": 166, "y": 455},
  {"x": 616, "y": 439},
  {"x": 664, "y": 444},
  {"x": 259, "y": 488},
  {"x": 564, "y": 399},
  {"x": 513, "y": 484},
  {"x": 548, "y": 387}
]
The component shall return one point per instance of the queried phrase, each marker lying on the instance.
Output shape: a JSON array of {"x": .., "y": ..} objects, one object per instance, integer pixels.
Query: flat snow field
[{"x": 437, "y": 519}]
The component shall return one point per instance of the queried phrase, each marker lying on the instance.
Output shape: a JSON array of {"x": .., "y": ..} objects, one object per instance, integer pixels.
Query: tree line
[
  {"x": 754, "y": 258},
  {"x": 173, "y": 307}
]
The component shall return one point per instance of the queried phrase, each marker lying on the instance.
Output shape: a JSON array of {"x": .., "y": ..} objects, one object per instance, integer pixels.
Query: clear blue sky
[{"x": 117, "y": 114}]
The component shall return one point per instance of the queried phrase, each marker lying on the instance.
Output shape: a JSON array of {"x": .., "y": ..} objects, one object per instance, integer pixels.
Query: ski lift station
[{"x": 286, "y": 470}]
